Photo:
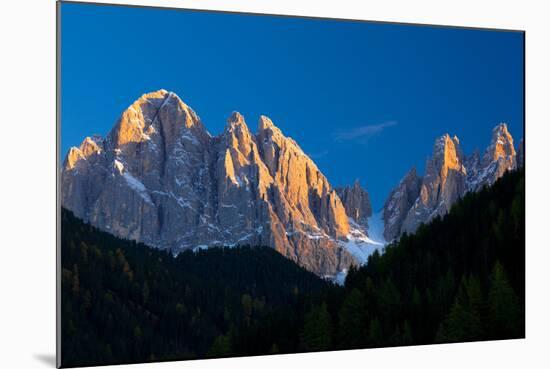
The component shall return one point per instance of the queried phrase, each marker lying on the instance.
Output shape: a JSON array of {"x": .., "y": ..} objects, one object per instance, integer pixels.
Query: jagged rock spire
[
  {"x": 161, "y": 179},
  {"x": 356, "y": 202},
  {"x": 159, "y": 114},
  {"x": 499, "y": 157},
  {"x": 398, "y": 203},
  {"x": 449, "y": 174}
]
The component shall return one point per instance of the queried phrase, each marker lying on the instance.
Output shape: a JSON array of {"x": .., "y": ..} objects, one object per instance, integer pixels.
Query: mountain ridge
[
  {"x": 159, "y": 177},
  {"x": 448, "y": 176}
]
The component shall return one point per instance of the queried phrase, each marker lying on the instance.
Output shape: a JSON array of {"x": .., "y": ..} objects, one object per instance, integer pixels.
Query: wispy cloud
[
  {"x": 317, "y": 155},
  {"x": 363, "y": 133}
]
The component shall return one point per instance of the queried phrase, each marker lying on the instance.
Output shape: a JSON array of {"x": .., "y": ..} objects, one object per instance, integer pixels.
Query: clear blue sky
[{"x": 365, "y": 100}]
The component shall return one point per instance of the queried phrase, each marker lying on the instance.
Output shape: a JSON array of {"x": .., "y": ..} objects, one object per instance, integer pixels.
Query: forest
[{"x": 458, "y": 278}]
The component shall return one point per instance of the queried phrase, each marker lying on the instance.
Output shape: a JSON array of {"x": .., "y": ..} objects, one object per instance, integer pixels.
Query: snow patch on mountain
[
  {"x": 183, "y": 188},
  {"x": 136, "y": 185},
  {"x": 361, "y": 245}
]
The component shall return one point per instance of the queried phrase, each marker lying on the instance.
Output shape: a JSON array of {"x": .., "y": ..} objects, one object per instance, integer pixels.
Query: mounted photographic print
[{"x": 237, "y": 184}]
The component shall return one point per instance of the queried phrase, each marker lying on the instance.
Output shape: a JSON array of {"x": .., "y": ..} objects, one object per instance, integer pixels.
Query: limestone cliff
[
  {"x": 160, "y": 178},
  {"x": 356, "y": 202},
  {"x": 443, "y": 183},
  {"x": 499, "y": 157},
  {"x": 448, "y": 176},
  {"x": 398, "y": 203}
]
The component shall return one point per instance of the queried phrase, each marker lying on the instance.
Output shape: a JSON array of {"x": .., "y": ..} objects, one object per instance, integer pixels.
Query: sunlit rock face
[
  {"x": 356, "y": 203},
  {"x": 443, "y": 183},
  {"x": 398, "y": 203},
  {"x": 498, "y": 158},
  {"x": 160, "y": 178},
  {"x": 449, "y": 175}
]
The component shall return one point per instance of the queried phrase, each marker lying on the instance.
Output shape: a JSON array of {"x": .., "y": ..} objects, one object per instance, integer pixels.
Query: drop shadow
[{"x": 48, "y": 359}]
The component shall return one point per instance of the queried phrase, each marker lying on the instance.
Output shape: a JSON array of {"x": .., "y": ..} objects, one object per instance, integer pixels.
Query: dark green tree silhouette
[
  {"x": 504, "y": 307},
  {"x": 317, "y": 331}
]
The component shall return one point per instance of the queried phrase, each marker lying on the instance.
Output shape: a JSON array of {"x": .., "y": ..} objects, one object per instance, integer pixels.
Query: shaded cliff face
[
  {"x": 498, "y": 158},
  {"x": 449, "y": 174},
  {"x": 356, "y": 203},
  {"x": 160, "y": 178},
  {"x": 398, "y": 203}
]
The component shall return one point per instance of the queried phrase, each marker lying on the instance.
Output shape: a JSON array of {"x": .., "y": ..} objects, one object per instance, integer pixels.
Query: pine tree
[
  {"x": 463, "y": 323},
  {"x": 221, "y": 347},
  {"x": 352, "y": 320},
  {"x": 316, "y": 334},
  {"x": 407, "y": 338},
  {"x": 375, "y": 333},
  {"x": 504, "y": 309},
  {"x": 76, "y": 280}
]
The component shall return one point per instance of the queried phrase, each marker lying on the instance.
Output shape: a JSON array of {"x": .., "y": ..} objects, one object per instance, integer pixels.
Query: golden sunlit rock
[
  {"x": 160, "y": 178},
  {"x": 449, "y": 175}
]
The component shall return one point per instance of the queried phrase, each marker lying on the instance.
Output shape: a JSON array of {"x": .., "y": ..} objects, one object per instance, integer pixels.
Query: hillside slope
[
  {"x": 459, "y": 278},
  {"x": 124, "y": 302}
]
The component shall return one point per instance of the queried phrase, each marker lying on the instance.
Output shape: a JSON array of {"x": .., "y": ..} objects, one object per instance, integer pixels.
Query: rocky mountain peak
[
  {"x": 235, "y": 120},
  {"x": 474, "y": 157},
  {"x": 268, "y": 133},
  {"x": 237, "y": 135},
  {"x": 447, "y": 154},
  {"x": 73, "y": 156},
  {"x": 411, "y": 174},
  {"x": 264, "y": 123},
  {"x": 236, "y": 126},
  {"x": 502, "y": 145},
  {"x": 356, "y": 202},
  {"x": 300, "y": 181},
  {"x": 90, "y": 146},
  {"x": 159, "y": 94},
  {"x": 163, "y": 180},
  {"x": 161, "y": 116},
  {"x": 443, "y": 183},
  {"x": 398, "y": 203},
  {"x": 473, "y": 165},
  {"x": 449, "y": 174},
  {"x": 499, "y": 157}
]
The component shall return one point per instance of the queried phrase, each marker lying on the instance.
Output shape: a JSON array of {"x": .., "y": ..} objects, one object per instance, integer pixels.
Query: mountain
[
  {"x": 449, "y": 175},
  {"x": 443, "y": 183},
  {"x": 400, "y": 200},
  {"x": 356, "y": 202},
  {"x": 160, "y": 178},
  {"x": 125, "y": 302},
  {"x": 459, "y": 278},
  {"x": 498, "y": 158}
]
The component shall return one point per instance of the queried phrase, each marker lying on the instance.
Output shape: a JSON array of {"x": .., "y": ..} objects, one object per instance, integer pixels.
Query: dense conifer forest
[{"x": 459, "y": 278}]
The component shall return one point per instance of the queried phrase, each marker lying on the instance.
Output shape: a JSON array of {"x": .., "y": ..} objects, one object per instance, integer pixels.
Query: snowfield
[{"x": 362, "y": 246}]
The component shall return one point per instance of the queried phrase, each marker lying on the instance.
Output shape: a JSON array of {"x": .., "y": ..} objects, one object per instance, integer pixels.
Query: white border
[{"x": 27, "y": 185}]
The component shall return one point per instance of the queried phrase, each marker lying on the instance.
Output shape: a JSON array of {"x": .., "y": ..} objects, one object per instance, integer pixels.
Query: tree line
[{"x": 459, "y": 278}]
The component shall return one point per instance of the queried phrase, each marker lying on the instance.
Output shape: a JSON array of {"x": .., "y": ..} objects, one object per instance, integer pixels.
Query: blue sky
[{"x": 364, "y": 100}]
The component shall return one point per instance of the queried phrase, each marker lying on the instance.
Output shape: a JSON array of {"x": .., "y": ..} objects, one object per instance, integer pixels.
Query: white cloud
[{"x": 363, "y": 133}]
